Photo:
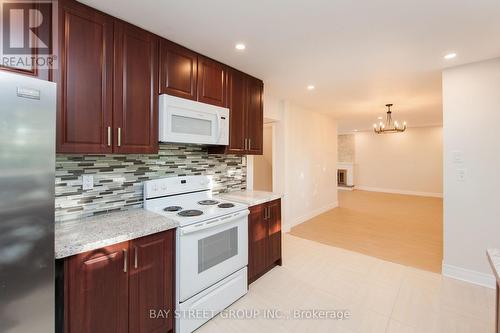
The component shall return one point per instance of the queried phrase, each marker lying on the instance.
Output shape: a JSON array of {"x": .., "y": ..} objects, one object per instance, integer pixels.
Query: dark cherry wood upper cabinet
[
  {"x": 274, "y": 217},
  {"x": 84, "y": 80},
  {"x": 135, "y": 109},
  {"x": 245, "y": 102},
  {"x": 151, "y": 282},
  {"x": 237, "y": 115},
  {"x": 258, "y": 247},
  {"x": 212, "y": 82},
  {"x": 178, "y": 70},
  {"x": 255, "y": 116},
  {"x": 96, "y": 291}
]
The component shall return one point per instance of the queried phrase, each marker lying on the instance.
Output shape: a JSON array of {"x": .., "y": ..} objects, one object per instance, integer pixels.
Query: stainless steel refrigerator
[{"x": 27, "y": 166}]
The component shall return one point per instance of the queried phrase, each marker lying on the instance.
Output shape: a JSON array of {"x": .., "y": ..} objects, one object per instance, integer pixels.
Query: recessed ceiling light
[
  {"x": 450, "y": 56},
  {"x": 355, "y": 130},
  {"x": 380, "y": 118},
  {"x": 311, "y": 87},
  {"x": 240, "y": 46}
]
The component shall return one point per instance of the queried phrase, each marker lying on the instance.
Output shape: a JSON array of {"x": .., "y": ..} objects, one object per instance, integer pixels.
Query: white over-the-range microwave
[{"x": 186, "y": 121}]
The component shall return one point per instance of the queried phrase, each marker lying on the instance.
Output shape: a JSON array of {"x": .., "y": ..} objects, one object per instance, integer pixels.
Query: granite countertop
[
  {"x": 251, "y": 198},
  {"x": 87, "y": 234},
  {"x": 494, "y": 258}
]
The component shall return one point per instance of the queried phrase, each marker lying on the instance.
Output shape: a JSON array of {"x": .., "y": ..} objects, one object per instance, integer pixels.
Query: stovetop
[
  {"x": 190, "y": 208},
  {"x": 187, "y": 199}
]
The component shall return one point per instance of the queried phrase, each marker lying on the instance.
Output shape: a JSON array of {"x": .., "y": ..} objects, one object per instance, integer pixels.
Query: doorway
[{"x": 263, "y": 164}]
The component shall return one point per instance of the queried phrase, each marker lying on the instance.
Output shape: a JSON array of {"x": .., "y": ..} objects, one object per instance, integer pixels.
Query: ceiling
[{"x": 360, "y": 55}]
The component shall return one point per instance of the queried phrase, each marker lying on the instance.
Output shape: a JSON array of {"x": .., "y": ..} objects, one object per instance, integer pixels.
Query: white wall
[
  {"x": 471, "y": 106},
  {"x": 409, "y": 162},
  {"x": 304, "y": 159},
  {"x": 310, "y": 164}
]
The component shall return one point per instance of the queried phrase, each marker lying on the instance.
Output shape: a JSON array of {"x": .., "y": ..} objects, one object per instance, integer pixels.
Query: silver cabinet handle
[
  {"x": 246, "y": 144},
  {"x": 109, "y": 136},
  {"x": 265, "y": 212},
  {"x": 249, "y": 143},
  {"x": 125, "y": 261},
  {"x": 135, "y": 257},
  {"x": 119, "y": 136}
]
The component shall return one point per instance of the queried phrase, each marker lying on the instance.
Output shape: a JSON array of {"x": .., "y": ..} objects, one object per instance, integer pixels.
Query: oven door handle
[{"x": 213, "y": 223}]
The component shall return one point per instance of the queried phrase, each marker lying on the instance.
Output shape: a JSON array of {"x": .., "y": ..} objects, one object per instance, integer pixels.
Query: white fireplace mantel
[{"x": 350, "y": 171}]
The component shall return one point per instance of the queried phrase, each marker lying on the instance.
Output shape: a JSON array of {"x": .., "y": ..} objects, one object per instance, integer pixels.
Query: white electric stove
[{"x": 211, "y": 246}]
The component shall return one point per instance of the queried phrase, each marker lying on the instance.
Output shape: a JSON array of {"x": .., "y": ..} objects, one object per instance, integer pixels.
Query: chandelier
[{"x": 390, "y": 126}]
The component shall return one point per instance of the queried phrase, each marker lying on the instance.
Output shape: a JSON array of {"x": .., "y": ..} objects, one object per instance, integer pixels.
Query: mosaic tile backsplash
[{"x": 118, "y": 178}]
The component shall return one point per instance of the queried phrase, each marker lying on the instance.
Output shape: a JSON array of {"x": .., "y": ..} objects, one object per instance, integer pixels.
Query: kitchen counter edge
[
  {"x": 494, "y": 259},
  {"x": 250, "y": 197},
  {"x": 91, "y": 233}
]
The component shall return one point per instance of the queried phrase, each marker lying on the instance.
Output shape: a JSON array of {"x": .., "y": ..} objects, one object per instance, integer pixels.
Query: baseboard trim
[
  {"x": 467, "y": 275},
  {"x": 310, "y": 215},
  {"x": 389, "y": 190}
]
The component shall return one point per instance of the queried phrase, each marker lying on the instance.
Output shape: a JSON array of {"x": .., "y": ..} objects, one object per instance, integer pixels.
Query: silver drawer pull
[
  {"x": 135, "y": 257},
  {"x": 125, "y": 261}
]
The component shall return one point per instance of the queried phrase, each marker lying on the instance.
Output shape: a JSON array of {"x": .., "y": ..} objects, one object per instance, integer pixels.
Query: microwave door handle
[{"x": 219, "y": 127}]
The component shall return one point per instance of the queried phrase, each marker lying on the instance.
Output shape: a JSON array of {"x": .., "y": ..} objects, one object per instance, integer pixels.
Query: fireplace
[
  {"x": 342, "y": 177},
  {"x": 345, "y": 175}
]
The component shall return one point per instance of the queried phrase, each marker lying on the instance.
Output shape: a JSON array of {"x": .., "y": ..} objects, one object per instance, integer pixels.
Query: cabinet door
[
  {"x": 274, "y": 220},
  {"x": 255, "y": 116},
  {"x": 258, "y": 230},
  {"x": 96, "y": 295},
  {"x": 84, "y": 79},
  {"x": 152, "y": 282},
  {"x": 135, "y": 110},
  {"x": 237, "y": 105},
  {"x": 178, "y": 70},
  {"x": 212, "y": 82}
]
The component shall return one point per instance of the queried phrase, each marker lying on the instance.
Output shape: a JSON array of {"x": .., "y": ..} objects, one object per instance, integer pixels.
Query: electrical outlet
[
  {"x": 87, "y": 182},
  {"x": 461, "y": 175}
]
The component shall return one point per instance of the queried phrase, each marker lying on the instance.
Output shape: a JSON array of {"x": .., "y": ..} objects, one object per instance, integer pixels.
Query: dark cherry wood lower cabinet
[
  {"x": 96, "y": 291},
  {"x": 498, "y": 309},
  {"x": 258, "y": 231},
  {"x": 264, "y": 239},
  {"x": 113, "y": 289},
  {"x": 151, "y": 282}
]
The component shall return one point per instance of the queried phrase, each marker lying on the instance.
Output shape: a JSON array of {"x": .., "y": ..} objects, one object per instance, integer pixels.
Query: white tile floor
[{"x": 381, "y": 296}]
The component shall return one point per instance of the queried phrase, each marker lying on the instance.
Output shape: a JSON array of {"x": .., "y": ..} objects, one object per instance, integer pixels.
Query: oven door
[{"x": 210, "y": 251}]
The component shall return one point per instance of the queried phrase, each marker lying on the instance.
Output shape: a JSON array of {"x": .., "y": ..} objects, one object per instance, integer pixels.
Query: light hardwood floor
[{"x": 403, "y": 229}]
